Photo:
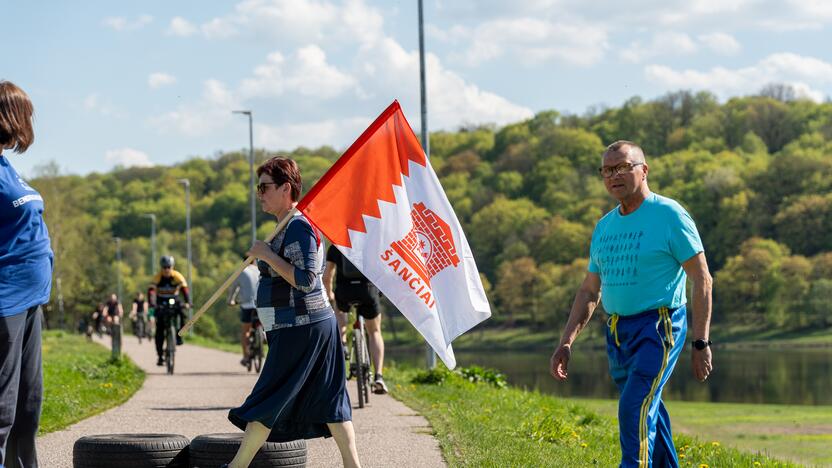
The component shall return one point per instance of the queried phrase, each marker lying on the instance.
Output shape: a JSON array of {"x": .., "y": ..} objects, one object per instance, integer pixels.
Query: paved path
[{"x": 208, "y": 383}]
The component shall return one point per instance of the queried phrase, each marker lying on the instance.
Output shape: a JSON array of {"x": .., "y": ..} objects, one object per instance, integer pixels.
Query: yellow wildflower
[
  {"x": 583, "y": 445},
  {"x": 715, "y": 444}
]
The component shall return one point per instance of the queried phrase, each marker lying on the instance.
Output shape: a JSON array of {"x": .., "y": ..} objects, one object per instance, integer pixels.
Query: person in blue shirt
[
  {"x": 25, "y": 284},
  {"x": 640, "y": 257}
]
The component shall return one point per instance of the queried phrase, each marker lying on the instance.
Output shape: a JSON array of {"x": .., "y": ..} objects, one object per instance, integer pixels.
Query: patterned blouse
[{"x": 279, "y": 304}]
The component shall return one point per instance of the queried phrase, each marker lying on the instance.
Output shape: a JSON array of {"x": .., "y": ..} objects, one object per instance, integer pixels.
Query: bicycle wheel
[
  {"x": 140, "y": 330},
  {"x": 171, "y": 350},
  {"x": 365, "y": 364},
  {"x": 360, "y": 378}
]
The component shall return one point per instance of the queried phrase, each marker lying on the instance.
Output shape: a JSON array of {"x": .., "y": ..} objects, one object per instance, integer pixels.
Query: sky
[{"x": 155, "y": 82}]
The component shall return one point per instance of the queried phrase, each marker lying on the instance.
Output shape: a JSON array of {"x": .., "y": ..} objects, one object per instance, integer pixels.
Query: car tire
[
  {"x": 213, "y": 450},
  {"x": 130, "y": 451}
]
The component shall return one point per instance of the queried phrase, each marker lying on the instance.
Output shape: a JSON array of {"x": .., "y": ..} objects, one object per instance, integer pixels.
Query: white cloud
[
  {"x": 306, "y": 73},
  {"x": 534, "y": 40},
  {"x": 721, "y": 43},
  {"x": 800, "y": 72},
  {"x": 218, "y": 28},
  {"x": 452, "y": 100},
  {"x": 688, "y": 11},
  {"x": 96, "y": 104},
  {"x": 663, "y": 43},
  {"x": 305, "y": 20},
  {"x": 211, "y": 113},
  {"x": 181, "y": 27},
  {"x": 309, "y": 85},
  {"x": 819, "y": 9},
  {"x": 157, "y": 80},
  {"x": 296, "y": 22},
  {"x": 120, "y": 23},
  {"x": 336, "y": 132},
  {"x": 127, "y": 157}
]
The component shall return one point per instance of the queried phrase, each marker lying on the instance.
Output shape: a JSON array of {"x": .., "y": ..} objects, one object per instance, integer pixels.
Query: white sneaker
[{"x": 379, "y": 387}]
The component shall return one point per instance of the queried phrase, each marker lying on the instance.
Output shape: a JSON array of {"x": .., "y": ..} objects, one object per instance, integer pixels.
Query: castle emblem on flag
[{"x": 429, "y": 247}]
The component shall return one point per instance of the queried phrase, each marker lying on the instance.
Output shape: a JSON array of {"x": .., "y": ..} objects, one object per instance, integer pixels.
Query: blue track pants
[{"x": 642, "y": 351}]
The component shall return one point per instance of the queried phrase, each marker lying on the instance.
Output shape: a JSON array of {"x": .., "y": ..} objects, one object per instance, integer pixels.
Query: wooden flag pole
[{"x": 240, "y": 268}]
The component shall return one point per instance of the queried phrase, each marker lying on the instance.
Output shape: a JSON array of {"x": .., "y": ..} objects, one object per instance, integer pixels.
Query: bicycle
[
  {"x": 360, "y": 359},
  {"x": 256, "y": 338},
  {"x": 139, "y": 328},
  {"x": 166, "y": 316}
]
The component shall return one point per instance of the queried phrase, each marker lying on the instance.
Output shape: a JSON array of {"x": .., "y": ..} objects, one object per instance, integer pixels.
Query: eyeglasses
[
  {"x": 625, "y": 168},
  {"x": 261, "y": 187}
]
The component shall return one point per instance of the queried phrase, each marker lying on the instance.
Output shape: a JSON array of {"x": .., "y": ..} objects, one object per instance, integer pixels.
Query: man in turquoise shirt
[{"x": 640, "y": 256}]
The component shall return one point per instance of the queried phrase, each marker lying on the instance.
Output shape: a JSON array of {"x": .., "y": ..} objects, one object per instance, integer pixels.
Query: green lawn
[
  {"x": 800, "y": 433},
  {"x": 478, "y": 424},
  {"x": 213, "y": 344},
  {"x": 80, "y": 380},
  {"x": 739, "y": 335}
]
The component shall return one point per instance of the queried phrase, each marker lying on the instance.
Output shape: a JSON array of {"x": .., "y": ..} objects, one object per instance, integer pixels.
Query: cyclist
[
  {"x": 113, "y": 310},
  {"x": 98, "y": 318},
  {"x": 167, "y": 284},
  {"x": 151, "y": 312},
  {"x": 138, "y": 313},
  {"x": 244, "y": 292},
  {"x": 352, "y": 287}
]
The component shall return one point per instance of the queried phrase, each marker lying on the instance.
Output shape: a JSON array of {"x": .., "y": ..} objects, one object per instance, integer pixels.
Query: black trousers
[
  {"x": 21, "y": 388},
  {"x": 162, "y": 324}
]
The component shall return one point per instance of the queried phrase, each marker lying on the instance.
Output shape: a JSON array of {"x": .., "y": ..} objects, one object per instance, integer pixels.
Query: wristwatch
[{"x": 700, "y": 344}]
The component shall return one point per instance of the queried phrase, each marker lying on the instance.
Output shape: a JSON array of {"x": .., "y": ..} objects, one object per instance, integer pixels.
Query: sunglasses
[{"x": 262, "y": 186}]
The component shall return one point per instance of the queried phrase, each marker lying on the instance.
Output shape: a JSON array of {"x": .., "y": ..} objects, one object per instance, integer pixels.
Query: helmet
[{"x": 166, "y": 261}]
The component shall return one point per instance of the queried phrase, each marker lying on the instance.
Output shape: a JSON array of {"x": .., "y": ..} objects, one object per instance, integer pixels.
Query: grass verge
[
  {"x": 796, "y": 432},
  {"x": 197, "y": 340},
  {"x": 81, "y": 380},
  {"x": 478, "y": 424}
]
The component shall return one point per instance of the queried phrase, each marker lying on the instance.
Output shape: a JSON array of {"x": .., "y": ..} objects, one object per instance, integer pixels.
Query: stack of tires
[{"x": 174, "y": 451}]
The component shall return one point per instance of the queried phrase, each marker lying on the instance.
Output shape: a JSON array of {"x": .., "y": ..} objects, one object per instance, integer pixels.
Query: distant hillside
[{"x": 755, "y": 174}]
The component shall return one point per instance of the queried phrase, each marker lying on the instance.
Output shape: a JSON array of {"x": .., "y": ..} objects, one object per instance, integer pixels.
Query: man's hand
[
  {"x": 559, "y": 362},
  {"x": 701, "y": 363}
]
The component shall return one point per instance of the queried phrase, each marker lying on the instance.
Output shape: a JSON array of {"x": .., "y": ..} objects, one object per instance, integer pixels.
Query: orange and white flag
[{"x": 382, "y": 205}]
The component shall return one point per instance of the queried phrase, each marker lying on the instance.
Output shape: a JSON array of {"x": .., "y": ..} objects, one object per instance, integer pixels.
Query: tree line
[{"x": 755, "y": 173}]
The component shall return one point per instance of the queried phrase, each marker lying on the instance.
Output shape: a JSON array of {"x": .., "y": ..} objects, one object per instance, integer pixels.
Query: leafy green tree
[{"x": 805, "y": 224}]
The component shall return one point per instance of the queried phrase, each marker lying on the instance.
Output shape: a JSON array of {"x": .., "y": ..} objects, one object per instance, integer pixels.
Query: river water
[{"x": 774, "y": 376}]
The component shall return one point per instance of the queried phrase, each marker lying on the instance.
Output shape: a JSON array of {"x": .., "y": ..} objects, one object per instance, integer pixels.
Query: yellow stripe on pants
[{"x": 644, "y": 446}]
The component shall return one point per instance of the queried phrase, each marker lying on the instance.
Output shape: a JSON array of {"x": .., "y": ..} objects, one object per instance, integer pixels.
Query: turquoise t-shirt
[{"x": 639, "y": 256}]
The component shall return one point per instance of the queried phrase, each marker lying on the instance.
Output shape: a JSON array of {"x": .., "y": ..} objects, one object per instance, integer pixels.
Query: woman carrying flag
[{"x": 301, "y": 392}]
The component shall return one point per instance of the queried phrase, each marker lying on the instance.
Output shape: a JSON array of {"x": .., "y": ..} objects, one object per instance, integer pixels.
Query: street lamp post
[
  {"x": 431, "y": 356},
  {"x": 250, "y": 173},
  {"x": 115, "y": 330},
  {"x": 118, "y": 266},
  {"x": 187, "y": 184},
  {"x": 152, "y": 217}
]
